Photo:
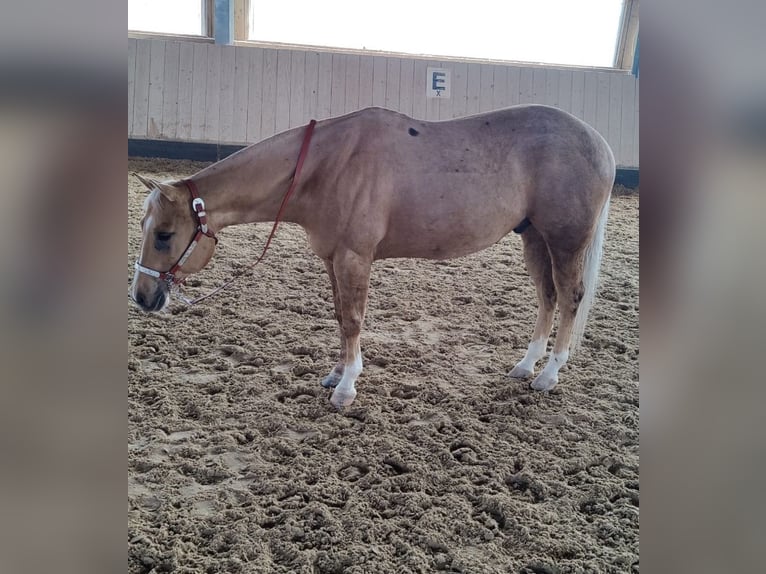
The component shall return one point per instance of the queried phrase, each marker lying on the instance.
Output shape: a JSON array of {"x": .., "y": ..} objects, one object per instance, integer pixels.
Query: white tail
[{"x": 590, "y": 277}]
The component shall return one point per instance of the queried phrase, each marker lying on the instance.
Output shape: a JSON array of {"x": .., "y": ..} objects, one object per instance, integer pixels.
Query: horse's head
[{"x": 176, "y": 241}]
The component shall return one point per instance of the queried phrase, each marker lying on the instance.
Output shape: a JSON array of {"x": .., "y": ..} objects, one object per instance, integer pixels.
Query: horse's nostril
[{"x": 140, "y": 299}]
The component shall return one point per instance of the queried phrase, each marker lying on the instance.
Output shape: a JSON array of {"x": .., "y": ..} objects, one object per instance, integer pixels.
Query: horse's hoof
[
  {"x": 342, "y": 399},
  {"x": 544, "y": 382},
  {"x": 331, "y": 380},
  {"x": 520, "y": 373}
]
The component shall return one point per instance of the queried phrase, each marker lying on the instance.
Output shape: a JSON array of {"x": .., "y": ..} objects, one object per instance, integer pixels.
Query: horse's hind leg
[
  {"x": 568, "y": 277},
  {"x": 336, "y": 374},
  {"x": 538, "y": 262},
  {"x": 352, "y": 273}
]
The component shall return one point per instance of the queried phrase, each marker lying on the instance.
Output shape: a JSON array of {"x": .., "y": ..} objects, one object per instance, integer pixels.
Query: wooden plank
[
  {"x": 637, "y": 99},
  {"x": 213, "y": 93},
  {"x": 365, "y": 81},
  {"x": 627, "y": 118},
  {"x": 473, "y": 89},
  {"x": 407, "y": 68},
  {"x": 486, "y": 87},
  {"x": 241, "y": 87},
  {"x": 297, "y": 88},
  {"x": 459, "y": 89},
  {"x": 432, "y": 109},
  {"x": 615, "y": 111},
  {"x": 242, "y": 10},
  {"x": 589, "y": 98},
  {"x": 432, "y": 104},
  {"x": 241, "y": 19},
  {"x": 199, "y": 74},
  {"x": 226, "y": 114},
  {"x": 185, "y": 90},
  {"x": 513, "y": 85},
  {"x": 269, "y": 93},
  {"x": 564, "y": 100},
  {"x": 538, "y": 85},
  {"x": 338, "y": 95},
  {"x": 131, "y": 81},
  {"x": 393, "y": 71},
  {"x": 526, "y": 90},
  {"x": 310, "y": 89},
  {"x": 636, "y": 124},
  {"x": 500, "y": 93},
  {"x": 282, "y": 121},
  {"x": 324, "y": 90},
  {"x": 254, "y": 94},
  {"x": 352, "y": 83},
  {"x": 419, "y": 89},
  {"x": 169, "y": 127},
  {"x": 379, "y": 73},
  {"x": 445, "y": 104},
  {"x": 551, "y": 96},
  {"x": 602, "y": 104},
  {"x": 578, "y": 94},
  {"x": 141, "y": 88}
]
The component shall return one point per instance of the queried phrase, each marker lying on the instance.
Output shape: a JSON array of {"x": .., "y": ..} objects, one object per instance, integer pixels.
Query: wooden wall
[{"x": 200, "y": 92}]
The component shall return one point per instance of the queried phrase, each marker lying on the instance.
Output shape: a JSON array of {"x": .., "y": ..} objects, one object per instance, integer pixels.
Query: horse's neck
[{"x": 248, "y": 186}]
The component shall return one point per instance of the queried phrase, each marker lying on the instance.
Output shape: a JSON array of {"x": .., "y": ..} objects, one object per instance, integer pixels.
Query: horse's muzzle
[{"x": 153, "y": 303}]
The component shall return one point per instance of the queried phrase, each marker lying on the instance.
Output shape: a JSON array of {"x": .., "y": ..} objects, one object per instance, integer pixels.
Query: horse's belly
[{"x": 438, "y": 242}]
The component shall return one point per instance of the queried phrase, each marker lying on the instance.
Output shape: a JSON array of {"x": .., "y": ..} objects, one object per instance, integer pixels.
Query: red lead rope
[{"x": 301, "y": 158}]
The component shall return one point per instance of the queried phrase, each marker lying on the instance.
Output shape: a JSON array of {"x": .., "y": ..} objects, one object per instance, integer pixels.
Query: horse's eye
[{"x": 161, "y": 240}]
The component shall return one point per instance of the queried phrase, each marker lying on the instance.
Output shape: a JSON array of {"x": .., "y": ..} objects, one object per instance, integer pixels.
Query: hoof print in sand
[
  {"x": 465, "y": 453},
  {"x": 525, "y": 484},
  {"x": 297, "y": 395},
  {"x": 353, "y": 472}
]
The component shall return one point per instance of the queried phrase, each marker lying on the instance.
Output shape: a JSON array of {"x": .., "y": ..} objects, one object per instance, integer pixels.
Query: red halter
[{"x": 198, "y": 206}]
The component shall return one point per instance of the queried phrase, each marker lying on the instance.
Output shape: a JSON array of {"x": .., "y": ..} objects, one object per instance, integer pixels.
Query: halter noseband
[{"x": 198, "y": 206}]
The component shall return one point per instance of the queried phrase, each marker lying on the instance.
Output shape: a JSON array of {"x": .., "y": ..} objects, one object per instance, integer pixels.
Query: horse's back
[{"x": 530, "y": 133}]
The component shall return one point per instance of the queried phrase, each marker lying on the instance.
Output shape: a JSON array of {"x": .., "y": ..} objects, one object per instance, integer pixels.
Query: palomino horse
[{"x": 377, "y": 184}]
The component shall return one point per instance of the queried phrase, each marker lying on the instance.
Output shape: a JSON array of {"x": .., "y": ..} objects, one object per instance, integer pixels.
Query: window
[
  {"x": 169, "y": 16},
  {"x": 540, "y": 31}
]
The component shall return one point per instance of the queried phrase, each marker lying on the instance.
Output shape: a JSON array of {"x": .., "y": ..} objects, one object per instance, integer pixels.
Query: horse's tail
[{"x": 590, "y": 277}]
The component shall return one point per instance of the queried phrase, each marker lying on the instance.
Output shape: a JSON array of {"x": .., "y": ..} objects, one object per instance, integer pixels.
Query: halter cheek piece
[{"x": 198, "y": 206}]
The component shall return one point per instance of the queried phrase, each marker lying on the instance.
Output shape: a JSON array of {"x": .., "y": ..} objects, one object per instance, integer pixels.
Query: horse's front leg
[
  {"x": 332, "y": 380},
  {"x": 352, "y": 274}
]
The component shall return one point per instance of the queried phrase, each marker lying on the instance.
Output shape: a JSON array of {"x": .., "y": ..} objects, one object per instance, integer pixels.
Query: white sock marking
[
  {"x": 555, "y": 362},
  {"x": 535, "y": 352},
  {"x": 344, "y": 392}
]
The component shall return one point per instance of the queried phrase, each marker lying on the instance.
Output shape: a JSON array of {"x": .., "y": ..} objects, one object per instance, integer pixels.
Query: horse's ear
[
  {"x": 169, "y": 190},
  {"x": 148, "y": 182}
]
